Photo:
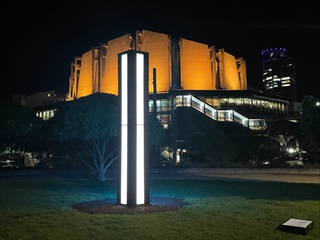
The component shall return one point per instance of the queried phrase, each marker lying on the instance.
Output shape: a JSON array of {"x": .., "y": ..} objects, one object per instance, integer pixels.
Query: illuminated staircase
[{"x": 218, "y": 115}]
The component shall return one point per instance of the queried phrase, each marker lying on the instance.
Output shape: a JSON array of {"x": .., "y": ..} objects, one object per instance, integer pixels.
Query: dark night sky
[{"x": 39, "y": 44}]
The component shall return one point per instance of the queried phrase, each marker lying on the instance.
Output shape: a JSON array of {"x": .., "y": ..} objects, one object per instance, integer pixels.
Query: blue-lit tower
[{"x": 278, "y": 74}]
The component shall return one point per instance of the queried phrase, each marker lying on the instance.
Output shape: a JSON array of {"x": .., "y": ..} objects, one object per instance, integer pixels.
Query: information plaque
[{"x": 297, "y": 226}]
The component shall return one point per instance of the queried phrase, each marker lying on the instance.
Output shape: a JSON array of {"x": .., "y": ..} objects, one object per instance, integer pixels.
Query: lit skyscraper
[{"x": 278, "y": 74}]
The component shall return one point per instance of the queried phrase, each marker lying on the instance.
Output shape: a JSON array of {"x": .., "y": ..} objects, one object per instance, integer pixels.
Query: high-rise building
[{"x": 278, "y": 74}]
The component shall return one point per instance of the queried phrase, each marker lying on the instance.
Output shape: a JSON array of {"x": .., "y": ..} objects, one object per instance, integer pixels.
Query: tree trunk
[{"x": 101, "y": 175}]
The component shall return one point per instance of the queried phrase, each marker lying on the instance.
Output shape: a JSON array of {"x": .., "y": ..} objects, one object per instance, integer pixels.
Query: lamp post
[{"x": 133, "y": 175}]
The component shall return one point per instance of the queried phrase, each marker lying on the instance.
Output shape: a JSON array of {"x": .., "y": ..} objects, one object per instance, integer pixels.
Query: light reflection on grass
[{"x": 40, "y": 209}]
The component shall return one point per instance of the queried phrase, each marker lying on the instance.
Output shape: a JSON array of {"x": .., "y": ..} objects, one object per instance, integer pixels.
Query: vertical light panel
[
  {"x": 124, "y": 130},
  {"x": 140, "y": 128},
  {"x": 133, "y": 188}
]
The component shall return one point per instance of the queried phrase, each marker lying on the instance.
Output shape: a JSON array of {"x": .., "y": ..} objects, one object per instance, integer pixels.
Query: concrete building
[
  {"x": 38, "y": 99},
  {"x": 184, "y": 65},
  {"x": 182, "y": 73}
]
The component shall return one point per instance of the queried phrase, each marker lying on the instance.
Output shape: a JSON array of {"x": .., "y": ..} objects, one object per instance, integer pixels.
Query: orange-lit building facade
[
  {"x": 182, "y": 73},
  {"x": 186, "y": 65}
]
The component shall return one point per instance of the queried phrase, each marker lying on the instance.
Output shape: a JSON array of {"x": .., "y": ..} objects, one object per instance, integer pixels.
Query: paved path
[
  {"x": 227, "y": 175},
  {"x": 278, "y": 177}
]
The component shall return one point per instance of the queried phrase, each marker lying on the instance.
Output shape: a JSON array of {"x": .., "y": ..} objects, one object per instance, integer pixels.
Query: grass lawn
[{"x": 39, "y": 209}]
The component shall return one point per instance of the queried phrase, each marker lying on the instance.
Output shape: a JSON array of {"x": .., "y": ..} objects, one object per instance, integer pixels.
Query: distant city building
[
  {"x": 43, "y": 99},
  {"x": 278, "y": 74},
  {"x": 44, "y": 103}
]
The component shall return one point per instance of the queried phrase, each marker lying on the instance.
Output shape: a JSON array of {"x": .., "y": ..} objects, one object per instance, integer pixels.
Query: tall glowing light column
[{"x": 133, "y": 175}]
